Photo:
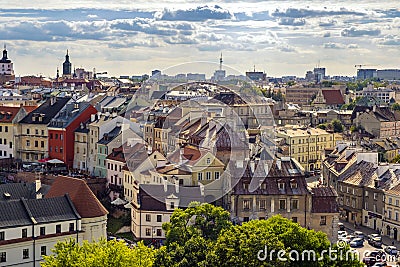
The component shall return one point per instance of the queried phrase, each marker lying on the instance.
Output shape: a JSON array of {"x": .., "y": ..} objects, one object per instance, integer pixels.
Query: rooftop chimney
[{"x": 38, "y": 185}]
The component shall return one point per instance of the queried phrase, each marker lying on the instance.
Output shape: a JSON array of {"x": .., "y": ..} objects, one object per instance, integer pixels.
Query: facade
[
  {"x": 81, "y": 148},
  {"x": 391, "y": 223},
  {"x": 305, "y": 144},
  {"x": 32, "y": 137},
  {"x": 299, "y": 94},
  {"x": 61, "y": 130},
  {"x": 329, "y": 99},
  {"x": 155, "y": 205},
  {"x": 380, "y": 122},
  {"x": 30, "y": 225},
  {"x": 386, "y": 95},
  {"x": 99, "y": 125},
  {"x": 9, "y": 117},
  {"x": 261, "y": 193}
]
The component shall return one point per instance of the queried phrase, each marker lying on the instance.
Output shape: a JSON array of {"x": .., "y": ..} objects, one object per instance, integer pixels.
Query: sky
[{"x": 134, "y": 37}]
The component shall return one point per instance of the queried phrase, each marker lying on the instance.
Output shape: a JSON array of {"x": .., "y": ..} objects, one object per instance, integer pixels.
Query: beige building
[
  {"x": 391, "y": 224},
  {"x": 81, "y": 148},
  {"x": 306, "y": 144},
  {"x": 32, "y": 132}
]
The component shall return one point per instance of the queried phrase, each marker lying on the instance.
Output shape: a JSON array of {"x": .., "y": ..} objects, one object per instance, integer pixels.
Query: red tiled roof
[
  {"x": 85, "y": 202},
  {"x": 29, "y": 109},
  {"x": 7, "y": 114},
  {"x": 333, "y": 96}
]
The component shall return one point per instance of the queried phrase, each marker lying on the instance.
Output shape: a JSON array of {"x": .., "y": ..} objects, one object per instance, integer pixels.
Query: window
[
  {"x": 208, "y": 160},
  {"x": 43, "y": 230},
  {"x": 24, "y": 233},
  {"x": 51, "y": 136},
  {"x": 246, "y": 204},
  {"x": 6, "y": 129},
  {"x": 390, "y": 200},
  {"x": 56, "y": 136},
  {"x": 375, "y": 196},
  {"x": 27, "y": 131},
  {"x": 36, "y": 143},
  {"x": 3, "y": 257},
  {"x": 396, "y": 216},
  {"x": 262, "y": 204},
  {"x": 281, "y": 185},
  {"x": 58, "y": 228},
  {"x": 159, "y": 232},
  {"x": 2, "y": 235},
  {"x": 172, "y": 205},
  {"x": 389, "y": 214},
  {"x": 216, "y": 175},
  {"x": 366, "y": 205},
  {"x": 366, "y": 193},
  {"x": 148, "y": 218},
  {"x": 36, "y": 131},
  {"x": 25, "y": 253},
  {"x": 43, "y": 250},
  {"x": 245, "y": 186},
  {"x": 148, "y": 231},
  {"x": 294, "y": 219},
  {"x": 294, "y": 204},
  {"x": 159, "y": 218},
  {"x": 61, "y": 137},
  {"x": 28, "y": 143},
  {"x": 397, "y": 202},
  {"x": 200, "y": 176},
  {"x": 282, "y": 204},
  {"x": 71, "y": 227},
  {"x": 41, "y": 143},
  {"x": 323, "y": 220},
  {"x": 208, "y": 175}
]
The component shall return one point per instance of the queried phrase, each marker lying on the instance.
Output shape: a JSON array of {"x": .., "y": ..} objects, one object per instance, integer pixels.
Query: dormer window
[
  {"x": 281, "y": 184},
  {"x": 245, "y": 186},
  {"x": 263, "y": 186},
  {"x": 293, "y": 183}
]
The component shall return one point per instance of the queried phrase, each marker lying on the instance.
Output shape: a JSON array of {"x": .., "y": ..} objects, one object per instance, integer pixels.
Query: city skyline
[{"x": 278, "y": 37}]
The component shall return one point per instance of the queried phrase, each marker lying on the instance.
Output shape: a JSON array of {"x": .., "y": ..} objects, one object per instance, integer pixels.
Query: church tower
[{"x": 67, "y": 66}]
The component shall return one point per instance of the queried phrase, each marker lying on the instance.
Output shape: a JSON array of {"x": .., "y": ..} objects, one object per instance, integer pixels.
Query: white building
[
  {"x": 384, "y": 94},
  {"x": 29, "y": 228},
  {"x": 155, "y": 205}
]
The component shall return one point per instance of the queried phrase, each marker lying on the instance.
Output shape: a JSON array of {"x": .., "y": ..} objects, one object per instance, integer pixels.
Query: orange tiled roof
[{"x": 85, "y": 202}]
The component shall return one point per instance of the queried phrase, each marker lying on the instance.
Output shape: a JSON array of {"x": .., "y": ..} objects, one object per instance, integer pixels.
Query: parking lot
[{"x": 366, "y": 248}]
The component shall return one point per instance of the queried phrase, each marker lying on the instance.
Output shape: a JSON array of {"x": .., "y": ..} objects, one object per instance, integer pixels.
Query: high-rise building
[{"x": 363, "y": 74}]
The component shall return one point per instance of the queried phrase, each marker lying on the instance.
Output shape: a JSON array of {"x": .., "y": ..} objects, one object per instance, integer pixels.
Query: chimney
[
  {"x": 374, "y": 108},
  {"x": 252, "y": 166},
  {"x": 38, "y": 185},
  {"x": 177, "y": 185},
  {"x": 376, "y": 183},
  {"x": 165, "y": 182},
  {"x": 279, "y": 164},
  {"x": 92, "y": 117},
  {"x": 53, "y": 100}
]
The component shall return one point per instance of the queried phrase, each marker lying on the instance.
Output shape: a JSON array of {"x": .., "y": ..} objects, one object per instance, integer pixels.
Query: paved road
[{"x": 368, "y": 248}]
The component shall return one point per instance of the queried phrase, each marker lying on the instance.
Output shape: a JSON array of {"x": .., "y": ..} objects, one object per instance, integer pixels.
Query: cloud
[
  {"x": 352, "y": 46},
  {"x": 303, "y": 13},
  {"x": 333, "y": 46},
  {"x": 354, "y": 32},
  {"x": 202, "y": 13},
  {"x": 328, "y": 23},
  {"x": 390, "y": 40},
  {"x": 143, "y": 25},
  {"x": 292, "y": 21},
  {"x": 326, "y": 34}
]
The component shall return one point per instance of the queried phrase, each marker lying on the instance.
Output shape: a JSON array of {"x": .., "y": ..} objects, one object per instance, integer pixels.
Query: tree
[
  {"x": 337, "y": 126},
  {"x": 396, "y": 159},
  {"x": 99, "y": 254},
  {"x": 252, "y": 243},
  {"x": 190, "y": 234},
  {"x": 395, "y": 106}
]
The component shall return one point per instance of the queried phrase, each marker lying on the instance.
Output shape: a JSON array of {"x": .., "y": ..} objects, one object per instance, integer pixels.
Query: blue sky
[{"x": 134, "y": 37}]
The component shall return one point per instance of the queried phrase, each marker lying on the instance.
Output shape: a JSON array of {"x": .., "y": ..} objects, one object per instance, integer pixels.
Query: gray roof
[
  {"x": 153, "y": 196},
  {"x": 21, "y": 190},
  {"x": 25, "y": 212}
]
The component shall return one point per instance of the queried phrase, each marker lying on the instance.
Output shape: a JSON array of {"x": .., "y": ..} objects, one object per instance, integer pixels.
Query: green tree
[
  {"x": 99, "y": 254},
  {"x": 395, "y": 106},
  {"x": 242, "y": 245},
  {"x": 190, "y": 235},
  {"x": 337, "y": 126},
  {"x": 396, "y": 159}
]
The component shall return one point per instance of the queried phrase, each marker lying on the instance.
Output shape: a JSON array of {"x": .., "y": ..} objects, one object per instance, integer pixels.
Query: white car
[{"x": 342, "y": 234}]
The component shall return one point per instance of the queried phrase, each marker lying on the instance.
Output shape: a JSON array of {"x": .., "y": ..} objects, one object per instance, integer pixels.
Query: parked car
[
  {"x": 347, "y": 238},
  {"x": 380, "y": 264},
  {"x": 359, "y": 234},
  {"x": 372, "y": 235},
  {"x": 391, "y": 250},
  {"x": 357, "y": 242},
  {"x": 341, "y": 226},
  {"x": 373, "y": 257},
  {"x": 342, "y": 234},
  {"x": 375, "y": 241}
]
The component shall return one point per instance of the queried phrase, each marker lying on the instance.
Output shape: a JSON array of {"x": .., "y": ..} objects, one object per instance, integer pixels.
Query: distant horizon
[{"x": 281, "y": 38}]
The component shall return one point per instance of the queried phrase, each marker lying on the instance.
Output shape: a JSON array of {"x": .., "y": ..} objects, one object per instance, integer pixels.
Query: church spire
[{"x": 220, "y": 62}]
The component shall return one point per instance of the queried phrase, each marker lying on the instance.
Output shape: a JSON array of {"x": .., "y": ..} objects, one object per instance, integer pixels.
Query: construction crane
[{"x": 363, "y": 65}]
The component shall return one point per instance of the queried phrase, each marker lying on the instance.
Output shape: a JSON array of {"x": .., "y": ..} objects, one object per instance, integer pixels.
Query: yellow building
[{"x": 306, "y": 144}]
